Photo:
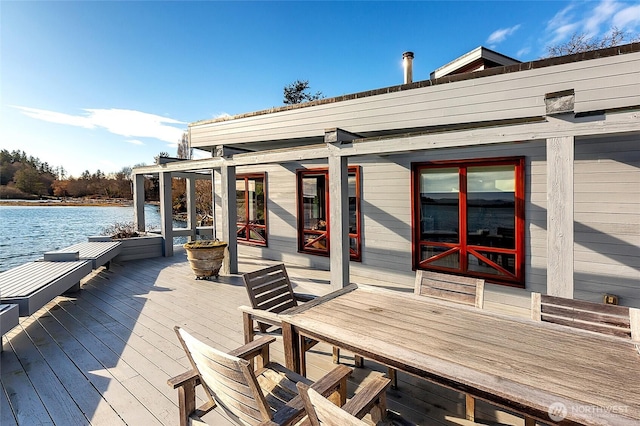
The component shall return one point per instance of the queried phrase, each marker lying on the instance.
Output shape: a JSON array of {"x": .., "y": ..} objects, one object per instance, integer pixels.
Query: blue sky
[{"x": 102, "y": 85}]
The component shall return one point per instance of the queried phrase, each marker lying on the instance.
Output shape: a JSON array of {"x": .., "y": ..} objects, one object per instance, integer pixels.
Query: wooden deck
[{"x": 102, "y": 356}]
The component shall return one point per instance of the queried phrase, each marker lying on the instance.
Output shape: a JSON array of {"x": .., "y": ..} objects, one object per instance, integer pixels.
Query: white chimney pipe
[{"x": 407, "y": 62}]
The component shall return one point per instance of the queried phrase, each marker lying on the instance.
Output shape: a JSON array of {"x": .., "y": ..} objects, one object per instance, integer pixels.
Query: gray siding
[
  {"x": 607, "y": 219},
  {"x": 386, "y": 218},
  {"x": 610, "y": 82}
]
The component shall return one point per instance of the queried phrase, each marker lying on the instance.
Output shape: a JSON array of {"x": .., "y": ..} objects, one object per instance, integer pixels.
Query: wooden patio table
[{"x": 534, "y": 368}]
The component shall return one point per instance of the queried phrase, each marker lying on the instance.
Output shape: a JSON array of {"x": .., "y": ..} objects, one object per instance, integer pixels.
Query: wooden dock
[{"x": 103, "y": 355}]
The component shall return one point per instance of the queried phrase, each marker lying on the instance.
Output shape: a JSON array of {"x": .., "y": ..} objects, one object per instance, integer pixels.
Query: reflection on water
[{"x": 28, "y": 232}]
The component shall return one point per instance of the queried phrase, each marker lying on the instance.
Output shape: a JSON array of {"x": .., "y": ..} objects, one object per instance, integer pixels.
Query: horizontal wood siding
[
  {"x": 140, "y": 248},
  {"x": 602, "y": 83},
  {"x": 607, "y": 219},
  {"x": 386, "y": 218}
]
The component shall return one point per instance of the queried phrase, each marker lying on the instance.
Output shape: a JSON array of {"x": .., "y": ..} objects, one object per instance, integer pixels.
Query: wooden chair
[
  {"x": 466, "y": 290},
  {"x": 247, "y": 396},
  {"x": 455, "y": 288},
  {"x": 270, "y": 293},
  {"x": 370, "y": 399},
  {"x": 612, "y": 320}
]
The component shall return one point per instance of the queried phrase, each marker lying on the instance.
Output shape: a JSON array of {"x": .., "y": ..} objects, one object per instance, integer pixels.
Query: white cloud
[
  {"x": 592, "y": 19},
  {"x": 524, "y": 51},
  {"x": 599, "y": 15},
  {"x": 500, "y": 35},
  {"x": 561, "y": 18},
  {"x": 627, "y": 18},
  {"x": 135, "y": 142},
  {"x": 123, "y": 122}
]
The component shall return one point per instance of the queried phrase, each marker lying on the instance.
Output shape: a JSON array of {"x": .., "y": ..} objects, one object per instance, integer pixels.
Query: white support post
[
  {"x": 229, "y": 215},
  {"x": 560, "y": 240},
  {"x": 138, "y": 202},
  {"x": 191, "y": 206},
  {"x": 166, "y": 213},
  {"x": 339, "y": 221}
]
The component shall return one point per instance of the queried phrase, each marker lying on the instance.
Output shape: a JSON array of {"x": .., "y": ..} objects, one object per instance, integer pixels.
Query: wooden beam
[
  {"x": 229, "y": 214},
  {"x": 138, "y": 202},
  {"x": 609, "y": 123},
  {"x": 338, "y": 220},
  {"x": 191, "y": 206},
  {"x": 560, "y": 241},
  {"x": 166, "y": 213},
  {"x": 552, "y": 127}
]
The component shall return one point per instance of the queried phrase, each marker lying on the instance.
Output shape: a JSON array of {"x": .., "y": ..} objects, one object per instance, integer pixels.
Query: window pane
[
  {"x": 258, "y": 234},
  {"x": 250, "y": 208},
  {"x": 256, "y": 200},
  {"x": 504, "y": 260},
  {"x": 439, "y": 204},
  {"x": 315, "y": 241},
  {"x": 451, "y": 261},
  {"x": 242, "y": 232},
  {"x": 314, "y": 209},
  {"x": 240, "y": 204},
  {"x": 353, "y": 244},
  {"x": 491, "y": 206},
  {"x": 353, "y": 222}
]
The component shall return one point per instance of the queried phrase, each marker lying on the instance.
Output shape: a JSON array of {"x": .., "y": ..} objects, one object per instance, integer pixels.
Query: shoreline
[{"x": 67, "y": 203}]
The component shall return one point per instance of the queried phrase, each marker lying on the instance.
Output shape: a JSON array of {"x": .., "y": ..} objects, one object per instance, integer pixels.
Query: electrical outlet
[{"x": 610, "y": 299}]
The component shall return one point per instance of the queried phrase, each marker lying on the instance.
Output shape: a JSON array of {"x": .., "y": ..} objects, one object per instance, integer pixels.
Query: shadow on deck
[{"x": 103, "y": 355}]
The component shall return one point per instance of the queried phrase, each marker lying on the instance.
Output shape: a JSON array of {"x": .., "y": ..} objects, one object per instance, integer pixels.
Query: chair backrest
[
  {"x": 613, "y": 320},
  {"x": 323, "y": 412},
  {"x": 466, "y": 290},
  {"x": 269, "y": 289},
  {"x": 227, "y": 380}
]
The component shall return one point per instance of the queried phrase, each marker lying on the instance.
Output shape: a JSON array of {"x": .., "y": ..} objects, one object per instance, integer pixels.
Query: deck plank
[
  {"x": 101, "y": 376},
  {"x": 27, "y": 406},
  {"x": 112, "y": 347},
  {"x": 85, "y": 395},
  {"x": 53, "y": 394},
  {"x": 6, "y": 413}
]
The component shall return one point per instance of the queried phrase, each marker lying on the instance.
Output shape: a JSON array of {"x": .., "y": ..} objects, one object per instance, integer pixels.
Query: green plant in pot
[{"x": 205, "y": 257}]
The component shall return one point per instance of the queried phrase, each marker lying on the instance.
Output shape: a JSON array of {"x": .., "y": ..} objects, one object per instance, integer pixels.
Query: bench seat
[
  {"x": 99, "y": 252},
  {"x": 9, "y": 317},
  {"x": 34, "y": 284}
]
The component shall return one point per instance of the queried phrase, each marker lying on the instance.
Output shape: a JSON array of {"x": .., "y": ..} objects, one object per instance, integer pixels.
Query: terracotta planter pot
[{"x": 205, "y": 260}]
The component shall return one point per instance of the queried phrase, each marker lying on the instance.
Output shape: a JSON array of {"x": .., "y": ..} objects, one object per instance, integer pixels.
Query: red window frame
[
  {"x": 318, "y": 242},
  {"x": 463, "y": 246},
  {"x": 245, "y": 225}
]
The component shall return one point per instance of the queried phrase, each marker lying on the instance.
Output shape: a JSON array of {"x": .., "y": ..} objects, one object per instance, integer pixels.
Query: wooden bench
[
  {"x": 34, "y": 284},
  {"x": 99, "y": 252},
  {"x": 9, "y": 318},
  {"x": 454, "y": 288},
  {"x": 613, "y": 320}
]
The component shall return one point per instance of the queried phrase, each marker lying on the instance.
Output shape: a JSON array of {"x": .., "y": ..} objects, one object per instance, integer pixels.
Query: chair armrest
[
  {"x": 335, "y": 380},
  {"x": 301, "y": 297},
  {"x": 367, "y": 397},
  {"x": 182, "y": 379},
  {"x": 332, "y": 381},
  {"x": 261, "y": 315},
  {"x": 252, "y": 349}
]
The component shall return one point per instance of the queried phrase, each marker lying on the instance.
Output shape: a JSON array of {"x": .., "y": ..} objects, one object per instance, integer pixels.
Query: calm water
[{"x": 28, "y": 232}]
